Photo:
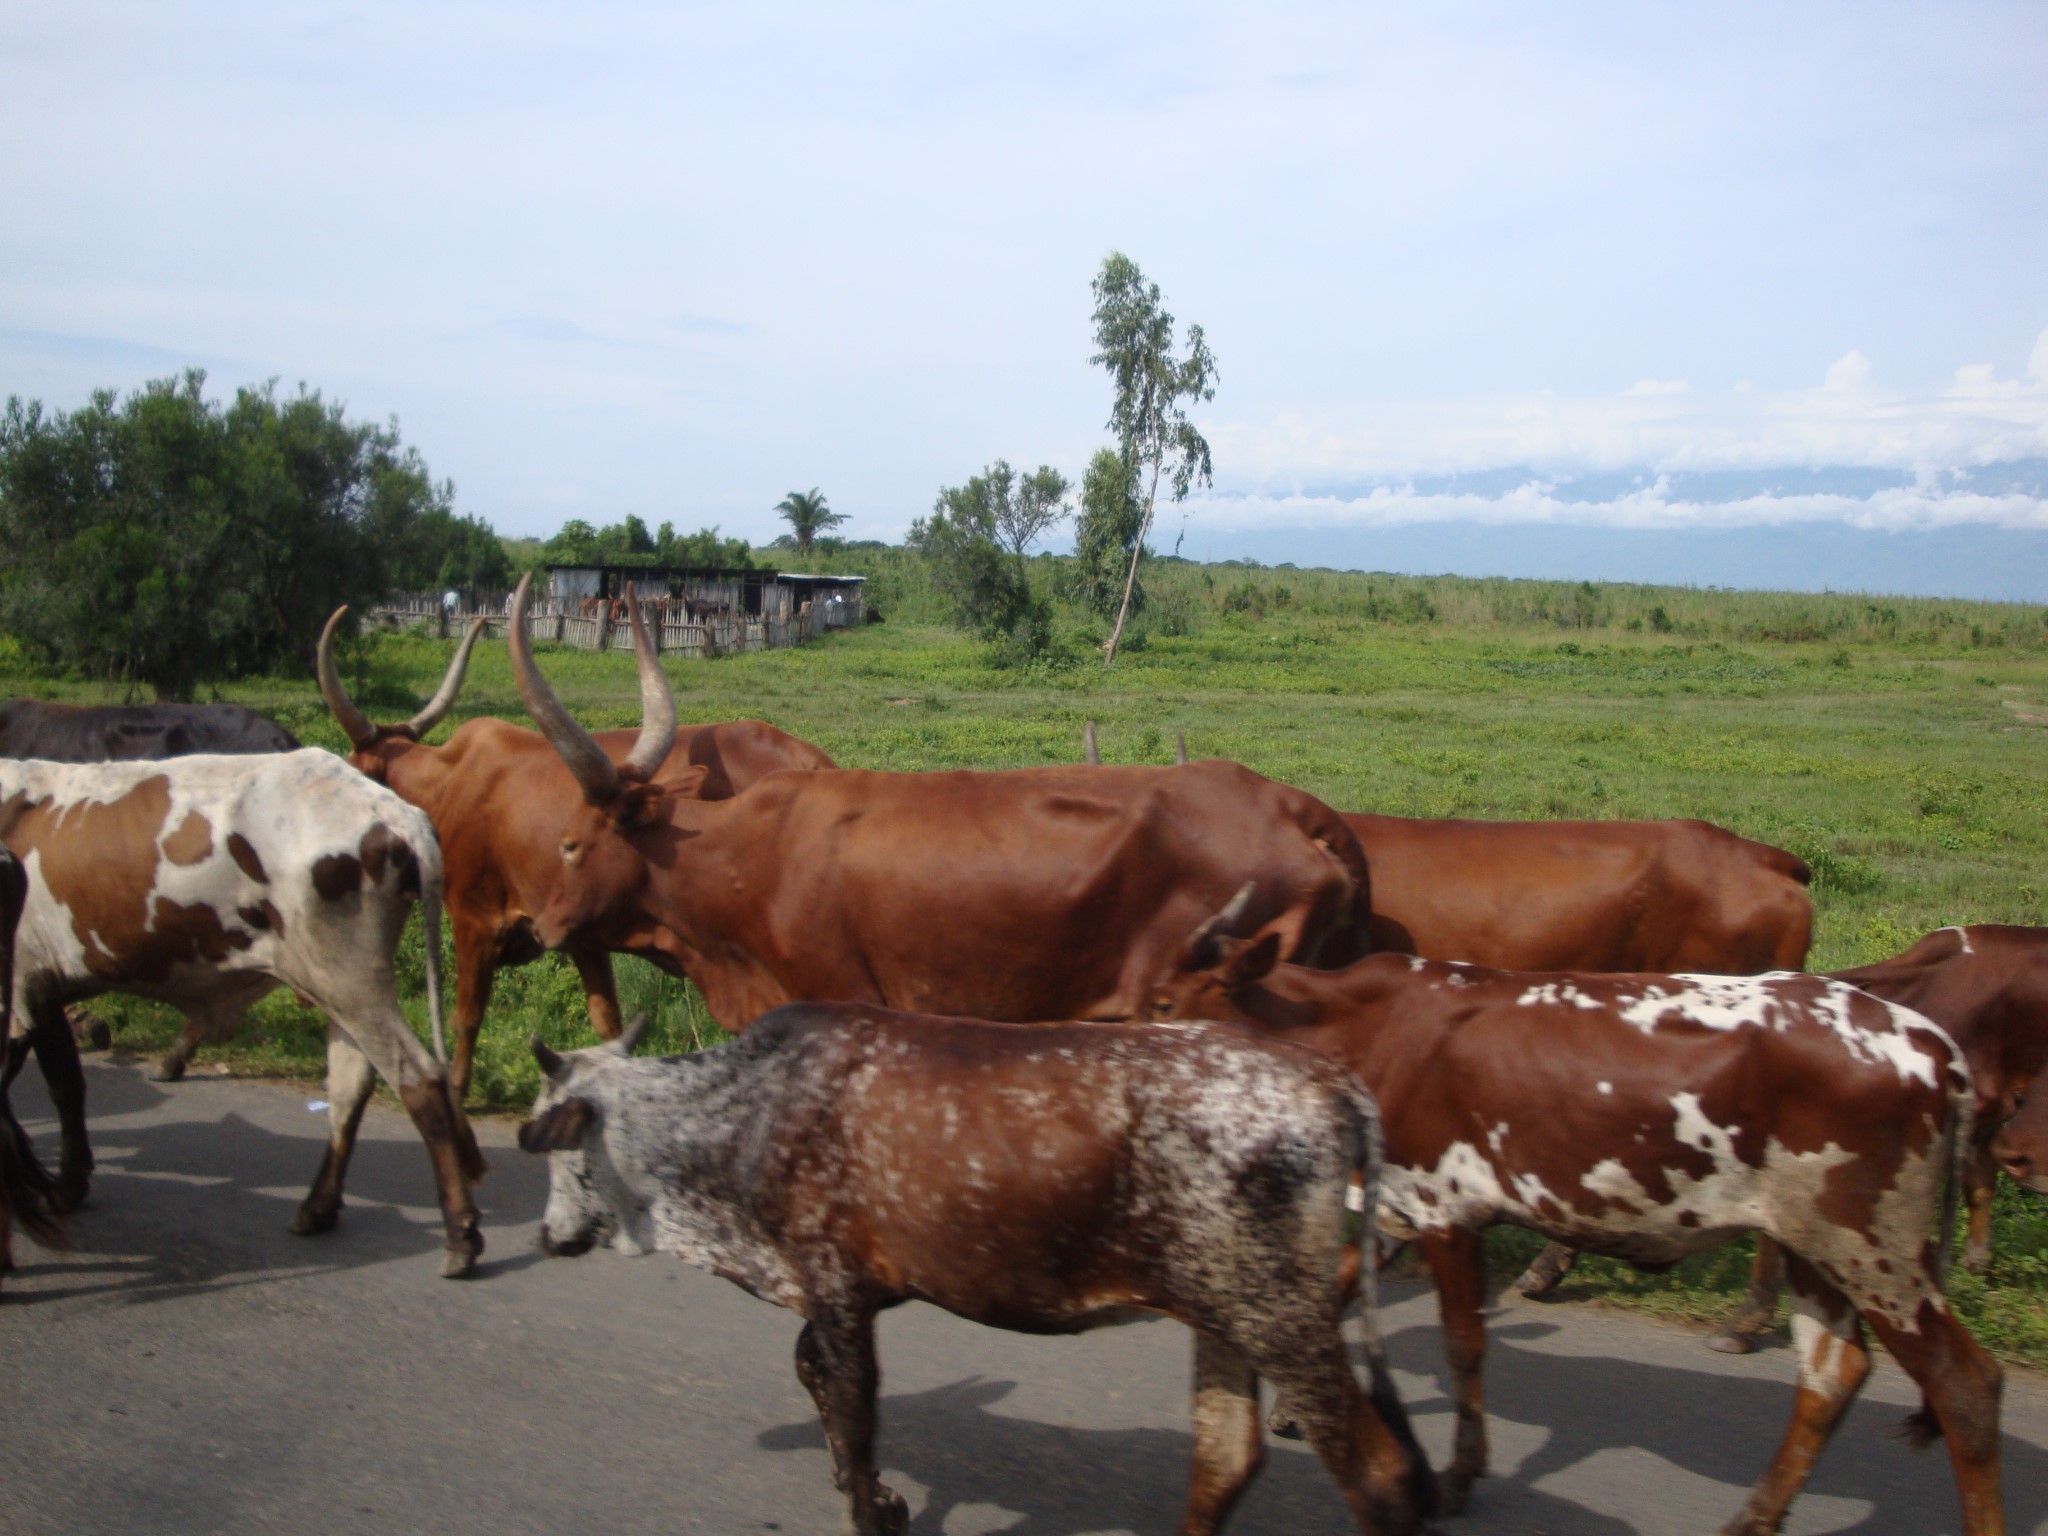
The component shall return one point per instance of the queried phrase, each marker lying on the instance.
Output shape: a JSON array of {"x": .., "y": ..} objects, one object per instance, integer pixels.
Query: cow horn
[
  {"x": 629, "y": 1037},
  {"x": 444, "y": 699},
  {"x": 1180, "y": 749},
  {"x": 657, "y": 703},
  {"x": 585, "y": 759},
  {"x": 354, "y": 723},
  {"x": 1088, "y": 753},
  {"x": 551, "y": 1065},
  {"x": 1224, "y": 923}
]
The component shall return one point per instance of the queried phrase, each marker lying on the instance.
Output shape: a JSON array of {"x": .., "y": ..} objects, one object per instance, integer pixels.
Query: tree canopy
[
  {"x": 808, "y": 515},
  {"x": 1106, "y": 533},
  {"x": 164, "y": 539},
  {"x": 975, "y": 539},
  {"x": 629, "y": 543},
  {"x": 1134, "y": 341}
]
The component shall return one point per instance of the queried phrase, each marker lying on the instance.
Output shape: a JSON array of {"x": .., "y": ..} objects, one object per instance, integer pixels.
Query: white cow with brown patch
[{"x": 205, "y": 883}]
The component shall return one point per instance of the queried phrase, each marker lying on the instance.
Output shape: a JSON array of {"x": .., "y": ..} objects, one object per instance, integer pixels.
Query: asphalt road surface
[{"x": 190, "y": 1367}]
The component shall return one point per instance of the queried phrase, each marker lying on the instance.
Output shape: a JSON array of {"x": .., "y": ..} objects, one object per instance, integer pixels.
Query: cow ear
[
  {"x": 560, "y": 1128},
  {"x": 1245, "y": 963},
  {"x": 686, "y": 783}
]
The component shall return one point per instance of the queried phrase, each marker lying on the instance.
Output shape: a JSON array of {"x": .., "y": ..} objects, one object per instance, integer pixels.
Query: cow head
[
  {"x": 372, "y": 746},
  {"x": 1217, "y": 969},
  {"x": 588, "y": 1204},
  {"x": 603, "y": 868},
  {"x": 2021, "y": 1148}
]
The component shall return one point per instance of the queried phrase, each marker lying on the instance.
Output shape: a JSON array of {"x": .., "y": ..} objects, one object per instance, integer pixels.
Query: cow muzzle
[{"x": 2021, "y": 1165}]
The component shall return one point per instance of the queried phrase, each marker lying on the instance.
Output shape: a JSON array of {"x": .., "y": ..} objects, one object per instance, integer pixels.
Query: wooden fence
[{"x": 564, "y": 623}]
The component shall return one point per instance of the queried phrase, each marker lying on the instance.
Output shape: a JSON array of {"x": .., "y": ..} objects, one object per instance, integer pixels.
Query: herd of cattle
[{"x": 1263, "y": 1012}]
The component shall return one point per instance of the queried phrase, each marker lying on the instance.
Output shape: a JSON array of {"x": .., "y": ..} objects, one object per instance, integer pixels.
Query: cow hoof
[
  {"x": 1453, "y": 1491},
  {"x": 459, "y": 1261},
  {"x": 1976, "y": 1261},
  {"x": 892, "y": 1515},
  {"x": 1283, "y": 1426},
  {"x": 91, "y": 1031},
  {"x": 1537, "y": 1287},
  {"x": 312, "y": 1218},
  {"x": 1730, "y": 1341},
  {"x": 69, "y": 1192},
  {"x": 170, "y": 1070}
]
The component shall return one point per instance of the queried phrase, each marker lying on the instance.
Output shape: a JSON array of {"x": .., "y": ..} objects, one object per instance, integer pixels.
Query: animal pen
[{"x": 693, "y": 610}]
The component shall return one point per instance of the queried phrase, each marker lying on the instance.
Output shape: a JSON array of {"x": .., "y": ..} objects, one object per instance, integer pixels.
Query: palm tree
[{"x": 808, "y": 516}]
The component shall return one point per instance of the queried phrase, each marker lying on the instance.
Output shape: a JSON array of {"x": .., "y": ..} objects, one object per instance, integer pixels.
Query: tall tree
[
  {"x": 1032, "y": 505},
  {"x": 1134, "y": 338},
  {"x": 807, "y": 516}
]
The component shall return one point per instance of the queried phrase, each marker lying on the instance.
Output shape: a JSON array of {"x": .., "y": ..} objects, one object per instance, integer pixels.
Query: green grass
[{"x": 1896, "y": 744}]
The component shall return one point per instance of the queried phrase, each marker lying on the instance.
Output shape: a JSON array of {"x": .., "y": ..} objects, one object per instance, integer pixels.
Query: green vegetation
[
  {"x": 166, "y": 540},
  {"x": 629, "y": 543},
  {"x": 1896, "y": 744}
]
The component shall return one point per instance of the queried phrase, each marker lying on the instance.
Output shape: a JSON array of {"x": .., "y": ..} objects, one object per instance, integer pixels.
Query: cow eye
[{"x": 1162, "y": 1005}]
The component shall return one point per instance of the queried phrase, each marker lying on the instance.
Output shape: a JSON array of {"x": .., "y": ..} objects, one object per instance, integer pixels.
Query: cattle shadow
[
  {"x": 1056, "y": 1480},
  {"x": 159, "y": 1185}
]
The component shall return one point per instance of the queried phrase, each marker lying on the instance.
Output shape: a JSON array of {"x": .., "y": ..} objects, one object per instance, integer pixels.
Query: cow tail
[
  {"x": 1962, "y": 1130},
  {"x": 1386, "y": 1400},
  {"x": 430, "y": 931}
]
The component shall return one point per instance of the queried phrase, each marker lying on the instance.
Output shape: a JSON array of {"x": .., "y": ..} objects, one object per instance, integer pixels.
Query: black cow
[{"x": 119, "y": 733}]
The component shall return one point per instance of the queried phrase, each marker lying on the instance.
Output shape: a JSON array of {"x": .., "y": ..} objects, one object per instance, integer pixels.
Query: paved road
[{"x": 189, "y": 1367}]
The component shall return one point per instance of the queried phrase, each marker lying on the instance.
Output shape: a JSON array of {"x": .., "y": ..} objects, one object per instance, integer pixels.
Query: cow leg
[
  {"x": 350, "y": 1080},
  {"x": 1827, "y": 1338},
  {"x": 1758, "y": 1309},
  {"x": 172, "y": 1068},
  {"x": 1227, "y": 1451},
  {"x": 1457, "y": 1262},
  {"x": 1962, "y": 1385},
  {"x": 476, "y": 971},
  {"x": 1548, "y": 1271},
  {"x": 600, "y": 991},
  {"x": 57, "y": 1055},
  {"x": 835, "y": 1360},
  {"x": 203, "y": 1024},
  {"x": 1980, "y": 1185}
]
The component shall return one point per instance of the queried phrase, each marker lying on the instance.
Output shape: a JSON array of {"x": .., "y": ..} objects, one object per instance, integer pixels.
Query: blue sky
[{"x": 1492, "y": 287}]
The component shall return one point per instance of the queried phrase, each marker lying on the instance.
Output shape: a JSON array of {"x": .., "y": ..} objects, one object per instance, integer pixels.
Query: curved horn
[
  {"x": 361, "y": 733},
  {"x": 1088, "y": 753},
  {"x": 1180, "y": 749},
  {"x": 1224, "y": 923},
  {"x": 551, "y": 1065},
  {"x": 593, "y": 770},
  {"x": 444, "y": 699},
  {"x": 629, "y": 1037},
  {"x": 657, "y": 704}
]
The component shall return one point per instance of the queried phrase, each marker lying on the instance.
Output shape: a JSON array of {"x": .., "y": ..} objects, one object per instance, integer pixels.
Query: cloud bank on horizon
[{"x": 1659, "y": 270}]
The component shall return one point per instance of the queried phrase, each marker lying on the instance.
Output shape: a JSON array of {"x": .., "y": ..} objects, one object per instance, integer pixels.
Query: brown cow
[
  {"x": 841, "y": 1160},
  {"x": 1987, "y": 985},
  {"x": 1037, "y": 893},
  {"x": 499, "y": 799},
  {"x": 1585, "y": 895},
  {"x": 1650, "y": 1117}
]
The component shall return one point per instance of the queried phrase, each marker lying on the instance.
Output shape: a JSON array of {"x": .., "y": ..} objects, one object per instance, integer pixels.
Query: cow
[
  {"x": 206, "y": 882},
  {"x": 840, "y": 1160},
  {"x": 499, "y": 799},
  {"x": 1036, "y": 893},
  {"x": 1987, "y": 985},
  {"x": 117, "y": 733},
  {"x": 1649, "y": 1117},
  {"x": 22, "y": 1199}
]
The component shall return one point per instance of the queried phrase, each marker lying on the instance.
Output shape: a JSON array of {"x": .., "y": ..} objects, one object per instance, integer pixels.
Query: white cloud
[
  {"x": 1851, "y": 371},
  {"x": 2037, "y": 363}
]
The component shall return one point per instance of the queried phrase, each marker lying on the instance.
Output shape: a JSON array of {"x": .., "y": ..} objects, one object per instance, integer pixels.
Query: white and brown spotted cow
[
  {"x": 206, "y": 882},
  {"x": 1649, "y": 1117},
  {"x": 839, "y": 1160}
]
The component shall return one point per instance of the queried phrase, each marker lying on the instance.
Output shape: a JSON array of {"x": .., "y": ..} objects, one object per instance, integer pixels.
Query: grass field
[{"x": 1897, "y": 745}]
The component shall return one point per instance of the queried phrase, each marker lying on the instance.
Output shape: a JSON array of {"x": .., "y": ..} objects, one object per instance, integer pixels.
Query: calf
[
  {"x": 1650, "y": 1117},
  {"x": 1987, "y": 985},
  {"x": 112, "y": 733},
  {"x": 206, "y": 882},
  {"x": 840, "y": 1159}
]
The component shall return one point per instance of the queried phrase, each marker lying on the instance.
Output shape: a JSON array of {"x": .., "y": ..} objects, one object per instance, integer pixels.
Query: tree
[
  {"x": 974, "y": 541},
  {"x": 1134, "y": 335},
  {"x": 807, "y": 516},
  {"x": 165, "y": 540},
  {"x": 1106, "y": 533},
  {"x": 629, "y": 543}
]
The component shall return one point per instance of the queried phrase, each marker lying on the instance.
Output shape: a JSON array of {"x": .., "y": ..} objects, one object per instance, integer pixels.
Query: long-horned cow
[
  {"x": 1036, "y": 893},
  {"x": 206, "y": 882},
  {"x": 500, "y": 798},
  {"x": 1649, "y": 1117},
  {"x": 841, "y": 1160}
]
